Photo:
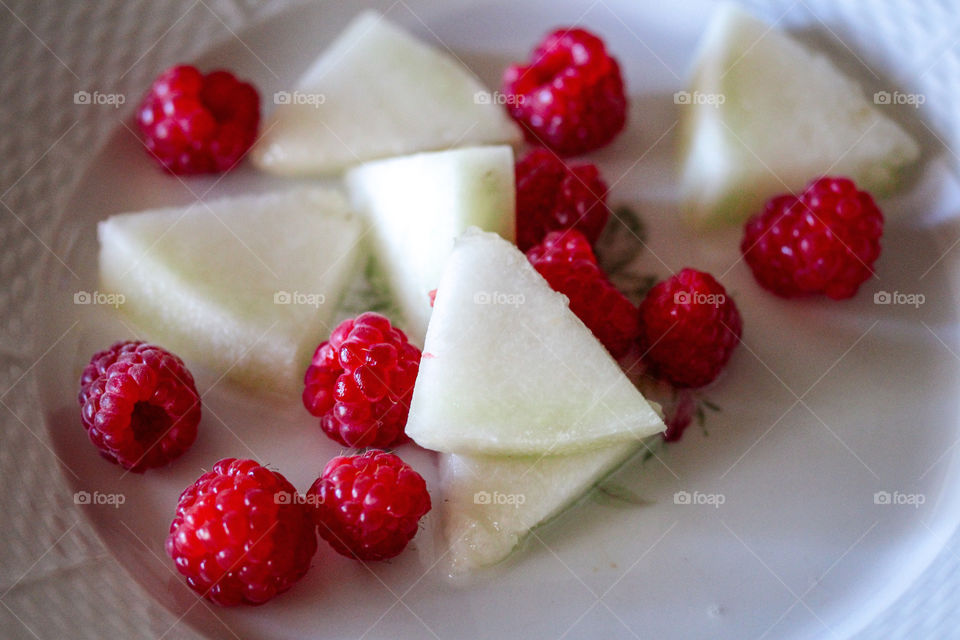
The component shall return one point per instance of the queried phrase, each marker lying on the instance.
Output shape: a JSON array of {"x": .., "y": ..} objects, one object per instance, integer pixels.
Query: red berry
[
  {"x": 242, "y": 534},
  {"x": 139, "y": 405},
  {"x": 824, "y": 241},
  {"x": 193, "y": 123},
  {"x": 570, "y": 97},
  {"x": 368, "y": 506},
  {"x": 689, "y": 327},
  {"x": 360, "y": 381},
  {"x": 552, "y": 197},
  {"x": 567, "y": 263}
]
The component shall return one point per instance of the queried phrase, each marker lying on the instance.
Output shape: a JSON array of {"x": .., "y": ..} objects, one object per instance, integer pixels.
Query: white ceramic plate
[{"x": 825, "y": 404}]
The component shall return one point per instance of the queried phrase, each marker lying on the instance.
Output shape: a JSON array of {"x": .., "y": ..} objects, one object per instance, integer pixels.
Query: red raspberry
[
  {"x": 360, "y": 381},
  {"x": 552, "y": 196},
  {"x": 368, "y": 506},
  {"x": 195, "y": 123},
  {"x": 571, "y": 97},
  {"x": 567, "y": 263},
  {"x": 824, "y": 241},
  {"x": 689, "y": 326},
  {"x": 242, "y": 533},
  {"x": 139, "y": 405}
]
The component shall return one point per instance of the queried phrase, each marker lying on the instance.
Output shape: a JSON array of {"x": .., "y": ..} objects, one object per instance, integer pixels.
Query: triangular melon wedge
[
  {"x": 507, "y": 368},
  {"x": 417, "y": 205},
  {"x": 492, "y": 502},
  {"x": 764, "y": 116},
  {"x": 377, "y": 92},
  {"x": 245, "y": 285}
]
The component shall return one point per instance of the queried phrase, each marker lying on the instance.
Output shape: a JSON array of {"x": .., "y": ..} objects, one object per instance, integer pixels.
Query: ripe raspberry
[
  {"x": 368, "y": 506},
  {"x": 360, "y": 381},
  {"x": 570, "y": 97},
  {"x": 552, "y": 196},
  {"x": 567, "y": 263},
  {"x": 689, "y": 326},
  {"x": 139, "y": 405},
  {"x": 242, "y": 533},
  {"x": 824, "y": 241},
  {"x": 195, "y": 123}
]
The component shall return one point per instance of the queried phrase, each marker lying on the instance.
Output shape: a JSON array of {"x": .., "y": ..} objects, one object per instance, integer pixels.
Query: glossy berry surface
[
  {"x": 825, "y": 241},
  {"x": 194, "y": 123},
  {"x": 552, "y": 196},
  {"x": 360, "y": 381},
  {"x": 139, "y": 405},
  {"x": 368, "y": 506},
  {"x": 241, "y": 534},
  {"x": 689, "y": 328},
  {"x": 570, "y": 96},
  {"x": 567, "y": 262}
]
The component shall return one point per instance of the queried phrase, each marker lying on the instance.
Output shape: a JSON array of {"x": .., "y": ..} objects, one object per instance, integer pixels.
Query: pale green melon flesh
[
  {"x": 417, "y": 205},
  {"x": 787, "y": 116},
  {"x": 492, "y": 502},
  {"x": 208, "y": 280},
  {"x": 507, "y": 368},
  {"x": 377, "y": 92}
]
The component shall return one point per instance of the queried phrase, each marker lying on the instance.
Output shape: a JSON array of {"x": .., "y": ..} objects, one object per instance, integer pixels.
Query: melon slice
[
  {"x": 764, "y": 116},
  {"x": 248, "y": 285},
  {"x": 507, "y": 368},
  {"x": 377, "y": 92},
  {"x": 417, "y": 205},
  {"x": 492, "y": 502}
]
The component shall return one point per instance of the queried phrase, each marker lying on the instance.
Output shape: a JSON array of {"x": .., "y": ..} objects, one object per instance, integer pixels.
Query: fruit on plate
[
  {"x": 241, "y": 534},
  {"x": 508, "y": 368},
  {"x": 195, "y": 123},
  {"x": 492, "y": 502},
  {"x": 567, "y": 262},
  {"x": 689, "y": 328},
  {"x": 570, "y": 97},
  {"x": 823, "y": 241},
  {"x": 368, "y": 506},
  {"x": 417, "y": 205},
  {"x": 553, "y": 196},
  {"x": 765, "y": 115},
  {"x": 377, "y": 92},
  {"x": 139, "y": 405},
  {"x": 360, "y": 381},
  {"x": 245, "y": 285}
]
